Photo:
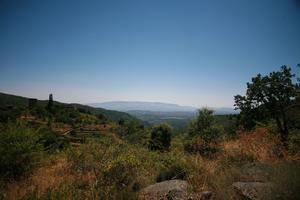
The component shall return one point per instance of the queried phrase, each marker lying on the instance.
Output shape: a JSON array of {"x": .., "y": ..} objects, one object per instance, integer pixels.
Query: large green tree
[{"x": 269, "y": 97}]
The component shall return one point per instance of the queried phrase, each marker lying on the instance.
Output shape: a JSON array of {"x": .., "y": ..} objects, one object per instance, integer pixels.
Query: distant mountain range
[{"x": 129, "y": 106}]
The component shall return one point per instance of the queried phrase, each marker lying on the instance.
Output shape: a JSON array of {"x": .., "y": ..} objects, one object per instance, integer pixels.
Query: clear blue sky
[{"x": 179, "y": 51}]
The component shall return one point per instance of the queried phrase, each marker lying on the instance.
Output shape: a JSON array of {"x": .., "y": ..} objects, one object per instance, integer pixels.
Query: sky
[{"x": 189, "y": 52}]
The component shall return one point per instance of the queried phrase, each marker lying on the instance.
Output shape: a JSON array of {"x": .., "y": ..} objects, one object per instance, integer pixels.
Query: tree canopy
[{"x": 268, "y": 97}]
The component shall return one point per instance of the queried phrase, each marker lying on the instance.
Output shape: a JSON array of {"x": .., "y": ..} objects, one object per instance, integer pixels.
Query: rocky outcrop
[
  {"x": 252, "y": 190},
  {"x": 166, "y": 190},
  {"x": 172, "y": 190},
  {"x": 205, "y": 195}
]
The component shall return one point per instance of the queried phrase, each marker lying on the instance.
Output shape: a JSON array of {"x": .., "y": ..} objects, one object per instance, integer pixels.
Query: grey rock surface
[
  {"x": 166, "y": 190},
  {"x": 252, "y": 190}
]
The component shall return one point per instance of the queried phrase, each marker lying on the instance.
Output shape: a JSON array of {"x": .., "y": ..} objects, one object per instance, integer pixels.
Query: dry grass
[
  {"x": 249, "y": 157},
  {"x": 45, "y": 177},
  {"x": 259, "y": 143},
  {"x": 241, "y": 159}
]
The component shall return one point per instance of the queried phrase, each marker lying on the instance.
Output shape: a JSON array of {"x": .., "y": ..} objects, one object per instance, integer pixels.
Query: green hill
[{"x": 7, "y": 100}]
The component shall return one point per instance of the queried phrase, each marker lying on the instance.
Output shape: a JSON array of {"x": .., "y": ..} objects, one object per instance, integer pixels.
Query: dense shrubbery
[
  {"x": 120, "y": 169},
  {"x": 205, "y": 126},
  {"x": 132, "y": 131},
  {"x": 160, "y": 137},
  {"x": 110, "y": 161},
  {"x": 9, "y": 114},
  {"x": 294, "y": 141},
  {"x": 19, "y": 150},
  {"x": 51, "y": 141},
  {"x": 230, "y": 124},
  {"x": 200, "y": 146},
  {"x": 203, "y": 134},
  {"x": 175, "y": 171},
  {"x": 21, "y": 147}
]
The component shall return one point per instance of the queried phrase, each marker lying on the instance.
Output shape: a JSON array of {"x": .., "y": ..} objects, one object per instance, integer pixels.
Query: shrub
[
  {"x": 132, "y": 131},
  {"x": 175, "y": 171},
  {"x": 121, "y": 171},
  {"x": 39, "y": 111},
  {"x": 10, "y": 113},
  {"x": 203, "y": 134},
  {"x": 238, "y": 159},
  {"x": 113, "y": 164},
  {"x": 19, "y": 148},
  {"x": 285, "y": 177},
  {"x": 294, "y": 141},
  {"x": 160, "y": 137},
  {"x": 205, "y": 126},
  {"x": 200, "y": 146},
  {"x": 50, "y": 141}
]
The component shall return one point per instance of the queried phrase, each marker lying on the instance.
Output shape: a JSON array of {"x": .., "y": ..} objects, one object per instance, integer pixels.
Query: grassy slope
[{"x": 250, "y": 157}]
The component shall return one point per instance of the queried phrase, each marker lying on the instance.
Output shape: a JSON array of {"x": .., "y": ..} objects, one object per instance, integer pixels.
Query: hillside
[{"x": 18, "y": 101}]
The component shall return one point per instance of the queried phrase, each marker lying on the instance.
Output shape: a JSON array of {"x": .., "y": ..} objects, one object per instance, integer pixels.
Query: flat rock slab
[
  {"x": 252, "y": 190},
  {"x": 166, "y": 190}
]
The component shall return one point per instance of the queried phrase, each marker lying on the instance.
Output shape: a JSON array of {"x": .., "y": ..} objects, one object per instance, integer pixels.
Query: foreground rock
[
  {"x": 205, "y": 195},
  {"x": 166, "y": 190},
  {"x": 252, "y": 190}
]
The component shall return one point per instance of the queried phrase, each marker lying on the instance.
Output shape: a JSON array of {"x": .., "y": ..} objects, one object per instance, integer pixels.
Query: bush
[
  {"x": 112, "y": 162},
  {"x": 160, "y": 137},
  {"x": 200, "y": 146},
  {"x": 121, "y": 171},
  {"x": 50, "y": 141},
  {"x": 175, "y": 171},
  {"x": 294, "y": 141},
  {"x": 203, "y": 134},
  {"x": 286, "y": 181},
  {"x": 205, "y": 126},
  {"x": 132, "y": 131},
  {"x": 238, "y": 159},
  {"x": 19, "y": 148},
  {"x": 10, "y": 113}
]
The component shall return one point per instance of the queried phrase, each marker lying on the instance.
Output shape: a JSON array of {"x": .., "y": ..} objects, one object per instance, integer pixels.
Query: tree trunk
[
  {"x": 285, "y": 132},
  {"x": 283, "y": 128}
]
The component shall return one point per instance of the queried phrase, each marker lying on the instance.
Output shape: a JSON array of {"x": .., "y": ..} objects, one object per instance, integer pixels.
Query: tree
[
  {"x": 203, "y": 134},
  {"x": 205, "y": 125},
  {"x": 269, "y": 97},
  {"x": 160, "y": 137}
]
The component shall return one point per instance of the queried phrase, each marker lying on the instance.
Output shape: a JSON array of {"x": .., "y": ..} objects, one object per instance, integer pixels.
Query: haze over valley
[
  {"x": 156, "y": 112},
  {"x": 126, "y": 106}
]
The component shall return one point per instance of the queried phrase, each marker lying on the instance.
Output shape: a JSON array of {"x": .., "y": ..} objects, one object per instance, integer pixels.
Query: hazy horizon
[{"x": 190, "y": 53}]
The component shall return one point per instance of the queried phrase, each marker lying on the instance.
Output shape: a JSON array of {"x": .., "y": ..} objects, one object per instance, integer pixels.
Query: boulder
[
  {"x": 166, "y": 190},
  {"x": 252, "y": 190},
  {"x": 205, "y": 195}
]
